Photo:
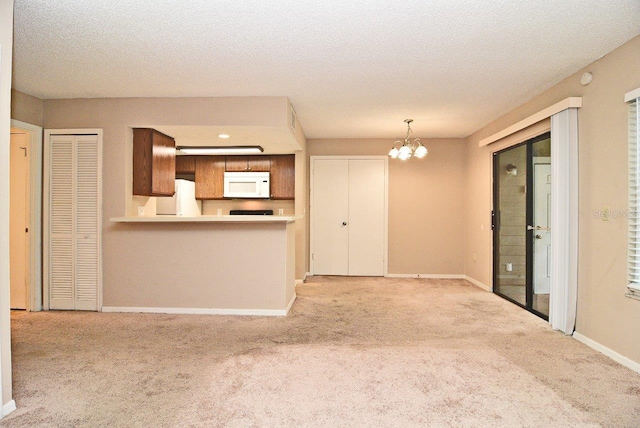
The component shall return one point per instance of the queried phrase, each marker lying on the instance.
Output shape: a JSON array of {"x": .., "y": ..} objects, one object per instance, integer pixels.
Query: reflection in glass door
[{"x": 521, "y": 227}]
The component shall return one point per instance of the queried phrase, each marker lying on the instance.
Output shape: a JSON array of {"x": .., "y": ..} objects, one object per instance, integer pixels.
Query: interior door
[
  {"x": 348, "y": 217},
  {"x": 521, "y": 225},
  {"x": 19, "y": 220},
  {"x": 74, "y": 227},
  {"x": 330, "y": 207},
  {"x": 366, "y": 217}
]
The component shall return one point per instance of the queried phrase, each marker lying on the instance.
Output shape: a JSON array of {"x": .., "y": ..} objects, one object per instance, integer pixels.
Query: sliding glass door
[{"x": 521, "y": 226}]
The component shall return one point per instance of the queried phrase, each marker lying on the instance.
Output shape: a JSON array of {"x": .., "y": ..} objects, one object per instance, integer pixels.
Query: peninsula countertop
[{"x": 207, "y": 219}]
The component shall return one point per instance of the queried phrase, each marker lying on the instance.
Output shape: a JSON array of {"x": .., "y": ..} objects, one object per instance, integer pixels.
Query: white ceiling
[{"x": 351, "y": 69}]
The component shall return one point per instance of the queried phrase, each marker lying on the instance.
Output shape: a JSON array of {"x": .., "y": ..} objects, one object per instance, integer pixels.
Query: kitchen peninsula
[{"x": 228, "y": 265}]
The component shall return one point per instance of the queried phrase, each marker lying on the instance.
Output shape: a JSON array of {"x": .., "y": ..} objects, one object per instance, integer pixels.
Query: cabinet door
[
  {"x": 283, "y": 177},
  {"x": 236, "y": 163},
  {"x": 248, "y": 163},
  {"x": 154, "y": 163},
  {"x": 259, "y": 163},
  {"x": 185, "y": 164},
  {"x": 210, "y": 177}
]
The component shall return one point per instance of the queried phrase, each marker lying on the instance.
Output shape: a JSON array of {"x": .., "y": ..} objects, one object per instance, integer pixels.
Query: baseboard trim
[
  {"x": 202, "y": 311},
  {"x": 8, "y": 408},
  {"x": 293, "y": 299},
  {"x": 424, "y": 275},
  {"x": 301, "y": 281},
  {"x": 478, "y": 284},
  {"x": 608, "y": 352}
]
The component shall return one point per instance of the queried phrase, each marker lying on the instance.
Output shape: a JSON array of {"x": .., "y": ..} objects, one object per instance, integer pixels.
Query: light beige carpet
[{"x": 353, "y": 352}]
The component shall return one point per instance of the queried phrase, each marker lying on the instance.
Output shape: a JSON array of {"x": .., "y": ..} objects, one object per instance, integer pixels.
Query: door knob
[{"x": 344, "y": 223}]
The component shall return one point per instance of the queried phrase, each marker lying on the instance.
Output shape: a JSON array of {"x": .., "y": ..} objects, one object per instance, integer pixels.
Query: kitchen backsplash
[{"x": 211, "y": 207}]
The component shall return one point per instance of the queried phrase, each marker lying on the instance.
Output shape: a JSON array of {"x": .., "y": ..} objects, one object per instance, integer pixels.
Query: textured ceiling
[{"x": 351, "y": 69}]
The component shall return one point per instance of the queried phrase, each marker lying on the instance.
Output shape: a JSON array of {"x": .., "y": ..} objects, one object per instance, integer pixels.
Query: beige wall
[
  {"x": 117, "y": 116},
  {"x": 604, "y": 314},
  {"x": 26, "y": 108},
  {"x": 6, "y": 41},
  {"x": 426, "y": 203}
]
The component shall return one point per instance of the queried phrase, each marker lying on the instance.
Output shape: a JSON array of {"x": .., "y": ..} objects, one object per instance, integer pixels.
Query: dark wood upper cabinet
[
  {"x": 154, "y": 163},
  {"x": 209, "y": 173},
  {"x": 283, "y": 176},
  {"x": 248, "y": 163},
  {"x": 185, "y": 164}
]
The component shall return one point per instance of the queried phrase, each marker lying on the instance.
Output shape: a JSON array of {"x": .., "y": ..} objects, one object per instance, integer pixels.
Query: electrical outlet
[{"x": 509, "y": 267}]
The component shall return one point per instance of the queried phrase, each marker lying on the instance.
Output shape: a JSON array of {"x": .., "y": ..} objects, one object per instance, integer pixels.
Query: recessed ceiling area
[
  {"x": 350, "y": 69},
  {"x": 274, "y": 140}
]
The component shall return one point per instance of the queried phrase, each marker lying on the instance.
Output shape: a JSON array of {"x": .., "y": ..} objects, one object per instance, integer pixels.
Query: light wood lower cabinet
[{"x": 209, "y": 177}]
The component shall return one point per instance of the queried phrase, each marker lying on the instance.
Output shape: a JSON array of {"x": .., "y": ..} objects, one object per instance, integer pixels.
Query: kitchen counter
[
  {"x": 207, "y": 219},
  {"x": 225, "y": 265}
]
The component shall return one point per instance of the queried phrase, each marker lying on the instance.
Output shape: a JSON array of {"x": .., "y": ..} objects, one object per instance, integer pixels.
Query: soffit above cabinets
[{"x": 274, "y": 139}]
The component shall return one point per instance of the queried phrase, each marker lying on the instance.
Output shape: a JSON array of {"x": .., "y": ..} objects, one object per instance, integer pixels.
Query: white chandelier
[{"x": 408, "y": 148}]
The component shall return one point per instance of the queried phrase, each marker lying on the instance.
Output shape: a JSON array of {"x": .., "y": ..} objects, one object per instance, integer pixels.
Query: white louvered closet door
[{"x": 74, "y": 222}]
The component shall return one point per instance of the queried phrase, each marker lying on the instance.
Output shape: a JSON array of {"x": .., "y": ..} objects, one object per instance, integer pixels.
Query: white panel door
[
  {"x": 330, "y": 217},
  {"x": 366, "y": 217},
  {"x": 348, "y": 211},
  {"x": 73, "y": 257}
]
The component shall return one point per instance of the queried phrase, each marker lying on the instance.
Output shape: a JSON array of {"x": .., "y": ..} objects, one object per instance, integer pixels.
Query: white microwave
[{"x": 246, "y": 185}]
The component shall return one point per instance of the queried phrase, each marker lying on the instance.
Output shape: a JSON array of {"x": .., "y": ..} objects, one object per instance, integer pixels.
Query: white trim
[
  {"x": 301, "y": 281},
  {"x": 35, "y": 212},
  {"x": 293, "y": 299},
  {"x": 571, "y": 102},
  {"x": 440, "y": 276},
  {"x": 478, "y": 284},
  {"x": 385, "y": 267},
  {"x": 425, "y": 275},
  {"x": 632, "y": 95},
  {"x": 9, "y": 408},
  {"x": 608, "y": 352},
  {"x": 45, "y": 208}
]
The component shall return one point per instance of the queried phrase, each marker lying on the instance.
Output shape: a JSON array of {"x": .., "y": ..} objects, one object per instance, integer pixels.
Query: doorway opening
[{"x": 521, "y": 224}]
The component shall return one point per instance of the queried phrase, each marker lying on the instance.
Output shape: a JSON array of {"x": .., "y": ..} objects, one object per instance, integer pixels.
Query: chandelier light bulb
[
  {"x": 408, "y": 148},
  {"x": 405, "y": 153},
  {"x": 420, "y": 152}
]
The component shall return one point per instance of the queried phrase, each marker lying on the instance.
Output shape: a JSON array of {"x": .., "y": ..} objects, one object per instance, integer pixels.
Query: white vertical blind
[{"x": 633, "y": 250}]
